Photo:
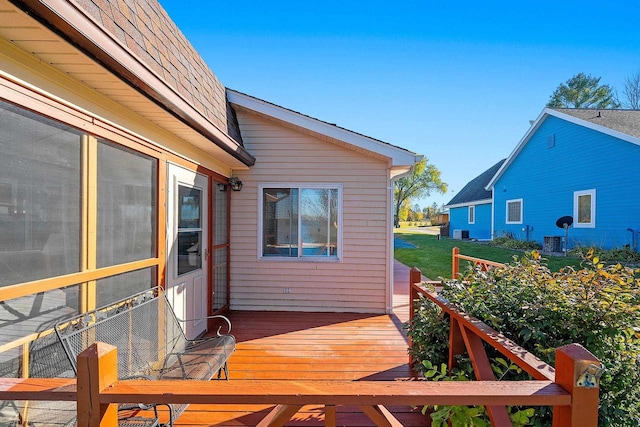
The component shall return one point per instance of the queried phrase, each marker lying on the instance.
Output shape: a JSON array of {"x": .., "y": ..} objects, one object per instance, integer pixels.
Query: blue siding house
[
  {"x": 471, "y": 209},
  {"x": 581, "y": 163}
]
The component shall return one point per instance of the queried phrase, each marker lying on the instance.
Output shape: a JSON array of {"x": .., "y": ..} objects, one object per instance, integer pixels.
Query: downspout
[
  {"x": 493, "y": 214},
  {"x": 390, "y": 226}
]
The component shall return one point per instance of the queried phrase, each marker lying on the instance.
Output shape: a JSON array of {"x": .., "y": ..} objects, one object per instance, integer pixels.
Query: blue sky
[{"x": 455, "y": 81}]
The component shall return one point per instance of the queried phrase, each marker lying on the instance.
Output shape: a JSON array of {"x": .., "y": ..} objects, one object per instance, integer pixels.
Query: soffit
[{"x": 48, "y": 47}]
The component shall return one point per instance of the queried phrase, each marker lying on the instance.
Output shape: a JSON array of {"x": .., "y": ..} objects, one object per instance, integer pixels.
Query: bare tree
[{"x": 632, "y": 91}]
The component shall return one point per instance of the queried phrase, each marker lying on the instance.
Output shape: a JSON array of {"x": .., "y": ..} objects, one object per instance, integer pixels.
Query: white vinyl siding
[
  {"x": 514, "y": 211},
  {"x": 472, "y": 214},
  {"x": 584, "y": 209},
  {"x": 357, "y": 282}
]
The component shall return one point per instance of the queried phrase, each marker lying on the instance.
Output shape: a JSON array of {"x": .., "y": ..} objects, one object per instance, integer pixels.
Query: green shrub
[
  {"x": 511, "y": 243},
  {"x": 597, "y": 306},
  {"x": 622, "y": 255}
]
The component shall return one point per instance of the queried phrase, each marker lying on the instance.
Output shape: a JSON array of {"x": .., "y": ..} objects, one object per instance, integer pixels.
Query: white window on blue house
[
  {"x": 472, "y": 214},
  {"x": 300, "y": 222},
  {"x": 514, "y": 211},
  {"x": 584, "y": 209}
]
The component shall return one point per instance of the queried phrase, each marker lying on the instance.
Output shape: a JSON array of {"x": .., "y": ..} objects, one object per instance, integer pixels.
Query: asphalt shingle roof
[
  {"x": 475, "y": 189},
  {"x": 625, "y": 121}
]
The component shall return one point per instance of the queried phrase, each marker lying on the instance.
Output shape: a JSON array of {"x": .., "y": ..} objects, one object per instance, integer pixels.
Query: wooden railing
[
  {"x": 98, "y": 391},
  {"x": 455, "y": 263},
  {"x": 468, "y": 335}
]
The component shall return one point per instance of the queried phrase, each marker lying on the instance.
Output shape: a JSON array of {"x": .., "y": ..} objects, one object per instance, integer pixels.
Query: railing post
[
  {"x": 415, "y": 277},
  {"x": 97, "y": 370},
  {"x": 572, "y": 361},
  {"x": 455, "y": 263}
]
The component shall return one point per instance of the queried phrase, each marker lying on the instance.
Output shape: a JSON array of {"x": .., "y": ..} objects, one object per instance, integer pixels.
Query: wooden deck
[{"x": 326, "y": 346}]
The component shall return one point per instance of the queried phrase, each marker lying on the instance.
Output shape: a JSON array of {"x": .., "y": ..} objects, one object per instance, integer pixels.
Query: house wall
[
  {"x": 480, "y": 229},
  {"x": 545, "y": 175},
  {"x": 356, "y": 283},
  {"x": 99, "y": 255}
]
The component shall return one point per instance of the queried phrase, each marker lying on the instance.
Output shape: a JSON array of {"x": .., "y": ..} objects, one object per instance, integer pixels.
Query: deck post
[
  {"x": 455, "y": 263},
  {"x": 572, "y": 361},
  {"x": 97, "y": 370},
  {"x": 415, "y": 277}
]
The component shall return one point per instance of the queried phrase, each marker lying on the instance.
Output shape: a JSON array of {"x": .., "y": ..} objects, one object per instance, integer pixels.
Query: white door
[{"x": 187, "y": 247}]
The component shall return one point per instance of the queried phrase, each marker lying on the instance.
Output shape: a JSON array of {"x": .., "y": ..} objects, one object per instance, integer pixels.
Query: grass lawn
[{"x": 433, "y": 256}]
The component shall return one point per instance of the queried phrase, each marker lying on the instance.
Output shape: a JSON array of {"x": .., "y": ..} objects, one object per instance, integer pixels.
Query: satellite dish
[{"x": 564, "y": 221}]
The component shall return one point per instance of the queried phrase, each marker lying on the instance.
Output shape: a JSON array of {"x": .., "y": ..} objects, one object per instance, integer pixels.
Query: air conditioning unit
[
  {"x": 460, "y": 234},
  {"x": 552, "y": 244}
]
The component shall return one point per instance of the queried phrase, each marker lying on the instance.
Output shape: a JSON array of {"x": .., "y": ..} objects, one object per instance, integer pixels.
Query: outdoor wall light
[{"x": 235, "y": 183}]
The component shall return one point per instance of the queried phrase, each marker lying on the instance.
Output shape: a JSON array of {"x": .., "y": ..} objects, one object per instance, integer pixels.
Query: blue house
[
  {"x": 471, "y": 209},
  {"x": 581, "y": 163}
]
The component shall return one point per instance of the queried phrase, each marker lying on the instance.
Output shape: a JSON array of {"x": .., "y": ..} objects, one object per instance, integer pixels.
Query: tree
[
  {"x": 632, "y": 91},
  {"x": 424, "y": 179},
  {"x": 583, "y": 91}
]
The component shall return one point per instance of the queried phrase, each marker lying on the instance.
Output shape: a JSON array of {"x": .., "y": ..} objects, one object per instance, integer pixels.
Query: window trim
[
  {"x": 576, "y": 196},
  {"x": 300, "y": 186},
  {"x": 471, "y": 214},
  {"x": 506, "y": 219}
]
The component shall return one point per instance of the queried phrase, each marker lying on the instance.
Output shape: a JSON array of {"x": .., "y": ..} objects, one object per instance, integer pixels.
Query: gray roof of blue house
[
  {"x": 625, "y": 121},
  {"x": 475, "y": 190}
]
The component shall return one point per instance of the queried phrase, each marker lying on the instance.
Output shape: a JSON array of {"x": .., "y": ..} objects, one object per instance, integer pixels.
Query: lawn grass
[{"x": 433, "y": 256}]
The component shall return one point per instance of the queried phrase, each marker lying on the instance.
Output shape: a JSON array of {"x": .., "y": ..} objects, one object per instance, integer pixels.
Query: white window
[
  {"x": 584, "y": 209},
  {"x": 301, "y": 221},
  {"x": 514, "y": 211},
  {"x": 472, "y": 214}
]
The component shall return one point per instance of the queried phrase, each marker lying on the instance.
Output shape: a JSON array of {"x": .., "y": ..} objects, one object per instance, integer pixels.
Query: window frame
[
  {"x": 299, "y": 187},
  {"x": 471, "y": 214},
  {"x": 508, "y": 202},
  {"x": 576, "y": 207}
]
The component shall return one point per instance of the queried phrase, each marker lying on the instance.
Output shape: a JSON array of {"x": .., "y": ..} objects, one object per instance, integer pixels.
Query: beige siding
[{"x": 358, "y": 283}]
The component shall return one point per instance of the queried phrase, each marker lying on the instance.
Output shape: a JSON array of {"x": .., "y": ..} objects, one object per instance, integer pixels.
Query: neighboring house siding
[
  {"x": 480, "y": 229},
  {"x": 546, "y": 173},
  {"x": 356, "y": 284}
]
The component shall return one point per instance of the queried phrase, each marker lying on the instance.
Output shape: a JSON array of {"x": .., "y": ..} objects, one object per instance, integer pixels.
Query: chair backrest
[{"x": 143, "y": 327}]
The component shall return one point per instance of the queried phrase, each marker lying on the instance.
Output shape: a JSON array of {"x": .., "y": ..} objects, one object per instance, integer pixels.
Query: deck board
[{"x": 322, "y": 346}]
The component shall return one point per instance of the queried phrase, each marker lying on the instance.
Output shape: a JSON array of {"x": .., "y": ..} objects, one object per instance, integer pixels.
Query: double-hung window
[
  {"x": 472, "y": 214},
  {"x": 514, "y": 211},
  {"x": 300, "y": 221},
  {"x": 584, "y": 209}
]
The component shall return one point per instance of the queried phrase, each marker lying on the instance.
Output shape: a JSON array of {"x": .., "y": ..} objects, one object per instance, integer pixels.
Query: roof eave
[
  {"x": 398, "y": 157},
  {"x": 567, "y": 117},
  {"x": 469, "y": 203},
  {"x": 532, "y": 129},
  {"x": 76, "y": 27}
]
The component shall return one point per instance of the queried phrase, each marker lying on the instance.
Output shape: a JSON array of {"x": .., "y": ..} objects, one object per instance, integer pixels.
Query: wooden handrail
[
  {"x": 530, "y": 363},
  {"x": 468, "y": 333},
  {"x": 455, "y": 262},
  {"x": 99, "y": 392}
]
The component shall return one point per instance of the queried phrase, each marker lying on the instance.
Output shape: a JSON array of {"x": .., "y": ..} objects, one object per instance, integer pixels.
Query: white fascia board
[
  {"x": 398, "y": 156},
  {"x": 472, "y": 203},
  {"x": 534, "y": 127},
  {"x": 563, "y": 116},
  {"x": 593, "y": 126}
]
